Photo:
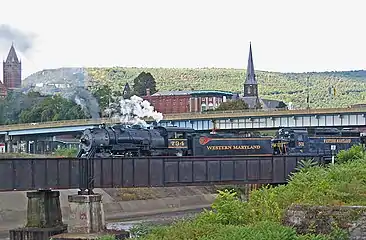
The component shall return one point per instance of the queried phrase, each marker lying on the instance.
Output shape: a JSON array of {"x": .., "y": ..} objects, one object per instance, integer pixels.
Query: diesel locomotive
[
  {"x": 315, "y": 141},
  {"x": 134, "y": 141}
]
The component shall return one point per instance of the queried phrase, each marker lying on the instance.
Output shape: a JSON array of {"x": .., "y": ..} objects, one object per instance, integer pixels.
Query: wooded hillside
[{"x": 350, "y": 86}]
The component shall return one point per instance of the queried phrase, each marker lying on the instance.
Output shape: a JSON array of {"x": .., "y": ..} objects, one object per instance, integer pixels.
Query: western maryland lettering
[
  {"x": 234, "y": 147},
  {"x": 337, "y": 140}
]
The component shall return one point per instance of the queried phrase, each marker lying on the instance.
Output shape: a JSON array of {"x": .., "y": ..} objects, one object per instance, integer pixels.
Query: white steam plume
[{"x": 133, "y": 110}]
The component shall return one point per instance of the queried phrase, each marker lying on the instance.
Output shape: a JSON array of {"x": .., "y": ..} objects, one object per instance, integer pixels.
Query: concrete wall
[{"x": 13, "y": 205}]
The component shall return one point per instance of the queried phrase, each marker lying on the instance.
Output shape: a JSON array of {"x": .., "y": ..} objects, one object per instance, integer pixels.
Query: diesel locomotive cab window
[
  {"x": 292, "y": 140},
  {"x": 300, "y": 138}
]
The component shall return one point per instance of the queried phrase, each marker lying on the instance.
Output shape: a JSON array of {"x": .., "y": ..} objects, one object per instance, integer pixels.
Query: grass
[{"x": 342, "y": 184}]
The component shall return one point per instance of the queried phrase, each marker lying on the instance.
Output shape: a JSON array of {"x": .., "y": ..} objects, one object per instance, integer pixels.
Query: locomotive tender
[{"x": 134, "y": 141}]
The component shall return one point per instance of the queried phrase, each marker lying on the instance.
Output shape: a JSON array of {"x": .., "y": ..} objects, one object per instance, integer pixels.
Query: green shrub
[
  {"x": 66, "y": 152},
  {"x": 141, "y": 230},
  {"x": 306, "y": 165},
  {"x": 354, "y": 153},
  {"x": 223, "y": 208},
  {"x": 199, "y": 231}
]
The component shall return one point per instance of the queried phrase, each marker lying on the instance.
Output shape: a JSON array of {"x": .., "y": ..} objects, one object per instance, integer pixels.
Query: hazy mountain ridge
[{"x": 290, "y": 87}]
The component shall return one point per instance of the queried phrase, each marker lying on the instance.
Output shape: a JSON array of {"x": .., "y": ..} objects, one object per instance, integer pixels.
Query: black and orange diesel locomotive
[{"x": 134, "y": 141}]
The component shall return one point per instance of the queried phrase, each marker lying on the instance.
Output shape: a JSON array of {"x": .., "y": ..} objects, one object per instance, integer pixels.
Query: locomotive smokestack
[{"x": 147, "y": 91}]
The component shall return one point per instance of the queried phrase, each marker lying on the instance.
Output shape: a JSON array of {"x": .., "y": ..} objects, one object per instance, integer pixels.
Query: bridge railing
[
  {"x": 76, "y": 122},
  {"x": 261, "y": 112},
  {"x": 72, "y": 173},
  {"x": 172, "y": 117}
]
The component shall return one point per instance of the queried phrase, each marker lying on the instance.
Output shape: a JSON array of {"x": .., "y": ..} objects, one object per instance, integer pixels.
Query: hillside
[{"x": 289, "y": 87}]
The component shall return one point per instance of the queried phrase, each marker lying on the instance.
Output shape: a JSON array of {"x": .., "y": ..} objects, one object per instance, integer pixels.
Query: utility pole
[{"x": 308, "y": 94}]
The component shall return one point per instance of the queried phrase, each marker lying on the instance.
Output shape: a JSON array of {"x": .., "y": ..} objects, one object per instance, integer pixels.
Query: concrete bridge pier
[
  {"x": 87, "y": 220},
  {"x": 44, "y": 217}
]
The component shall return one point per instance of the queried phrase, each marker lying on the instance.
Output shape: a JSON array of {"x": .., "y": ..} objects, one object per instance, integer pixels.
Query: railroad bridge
[
  {"x": 49, "y": 174},
  {"x": 67, "y": 173}
]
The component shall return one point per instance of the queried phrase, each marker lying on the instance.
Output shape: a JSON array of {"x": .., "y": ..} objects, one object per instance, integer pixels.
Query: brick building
[
  {"x": 12, "y": 73},
  {"x": 187, "y": 101},
  {"x": 198, "y": 101}
]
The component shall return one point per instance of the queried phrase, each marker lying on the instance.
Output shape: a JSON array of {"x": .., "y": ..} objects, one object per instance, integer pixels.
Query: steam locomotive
[{"x": 134, "y": 141}]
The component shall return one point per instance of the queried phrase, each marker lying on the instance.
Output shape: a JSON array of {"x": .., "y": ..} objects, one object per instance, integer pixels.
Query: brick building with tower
[
  {"x": 12, "y": 73},
  {"x": 168, "y": 102}
]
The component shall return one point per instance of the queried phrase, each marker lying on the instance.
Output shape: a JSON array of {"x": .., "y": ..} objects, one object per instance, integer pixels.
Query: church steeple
[
  {"x": 12, "y": 70},
  {"x": 12, "y": 56},
  {"x": 250, "y": 84}
]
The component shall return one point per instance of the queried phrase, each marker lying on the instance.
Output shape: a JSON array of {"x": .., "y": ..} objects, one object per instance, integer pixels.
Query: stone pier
[
  {"x": 87, "y": 219},
  {"x": 44, "y": 217}
]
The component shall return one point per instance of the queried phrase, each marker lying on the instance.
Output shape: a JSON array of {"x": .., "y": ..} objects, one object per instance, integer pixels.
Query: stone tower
[
  {"x": 250, "y": 84},
  {"x": 12, "y": 70}
]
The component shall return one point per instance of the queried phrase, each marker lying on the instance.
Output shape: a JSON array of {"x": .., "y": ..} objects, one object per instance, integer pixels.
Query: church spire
[
  {"x": 12, "y": 70},
  {"x": 250, "y": 84},
  {"x": 12, "y": 56},
  {"x": 250, "y": 79}
]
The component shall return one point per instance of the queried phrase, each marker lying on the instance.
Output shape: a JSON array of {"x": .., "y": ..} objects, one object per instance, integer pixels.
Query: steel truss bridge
[
  {"x": 260, "y": 119},
  {"x": 73, "y": 173}
]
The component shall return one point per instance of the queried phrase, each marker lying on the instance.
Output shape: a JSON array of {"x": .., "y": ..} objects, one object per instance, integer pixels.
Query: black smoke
[{"x": 22, "y": 41}]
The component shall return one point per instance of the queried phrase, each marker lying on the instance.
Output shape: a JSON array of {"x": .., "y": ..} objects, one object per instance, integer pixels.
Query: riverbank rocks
[{"x": 325, "y": 219}]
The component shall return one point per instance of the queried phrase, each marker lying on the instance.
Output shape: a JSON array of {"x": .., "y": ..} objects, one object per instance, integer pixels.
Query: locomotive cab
[
  {"x": 177, "y": 140},
  {"x": 291, "y": 141}
]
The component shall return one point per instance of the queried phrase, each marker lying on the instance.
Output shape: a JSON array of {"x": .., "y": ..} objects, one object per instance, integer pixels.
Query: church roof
[
  {"x": 12, "y": 56},
  {"x": 250, "y": 78},
  {"x": 195, "y": 92},
  {"x": 265, "y": 103}
]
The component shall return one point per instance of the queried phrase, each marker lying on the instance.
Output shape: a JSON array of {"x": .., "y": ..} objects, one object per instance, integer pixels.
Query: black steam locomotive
[{"x": 134, "y": 141}]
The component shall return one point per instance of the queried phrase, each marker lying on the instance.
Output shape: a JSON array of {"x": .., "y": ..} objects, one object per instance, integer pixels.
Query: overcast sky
[{"x": 286, "y": 35}]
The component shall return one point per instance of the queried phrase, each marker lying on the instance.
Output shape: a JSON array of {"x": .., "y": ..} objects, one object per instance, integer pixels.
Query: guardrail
[
  {"x": 188, "y": 116},
  {"x": 261, "y": 112}
]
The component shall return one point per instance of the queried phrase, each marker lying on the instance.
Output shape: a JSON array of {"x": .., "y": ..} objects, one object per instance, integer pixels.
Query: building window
[{"x": 203, "y": 107}]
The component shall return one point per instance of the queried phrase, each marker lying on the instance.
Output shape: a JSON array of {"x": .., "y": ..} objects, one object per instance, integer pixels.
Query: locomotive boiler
[{"x": 134, "y": 141}]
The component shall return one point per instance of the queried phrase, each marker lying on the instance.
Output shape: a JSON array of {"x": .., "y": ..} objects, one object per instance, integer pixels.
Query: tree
[
  {"x": 14, "y": 103},
  {"x": 237, "y": 104},
  {"x": 106, "y": 93},
  {"x": 52, "y": 108},
  {"x": 142, "y": 82},
  {"x": 102, "y": 94}
]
